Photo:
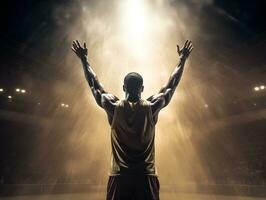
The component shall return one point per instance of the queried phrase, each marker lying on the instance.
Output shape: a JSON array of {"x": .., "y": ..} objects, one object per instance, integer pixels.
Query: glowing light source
[
  {"x": 134, "y": 16},
  {"x": 136, "y": 26},
  {"x": 256, "y": 88},
  {"x": 64, "y": 105},
  {"x": 206, "y": 105},
  {"x": 18, "y": 90},
  {"x": 1, "y": 90},
  {"x": 9, "y": 96}
]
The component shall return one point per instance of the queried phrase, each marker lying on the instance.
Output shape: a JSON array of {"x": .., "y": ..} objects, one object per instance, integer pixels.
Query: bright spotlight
[
  {"x": 262, "y": 87},
  {"x": 17, "y": 90},
  {"x": 134, "y": 16},
  {"x": 1, "y": 90},
  {"x": 66, "y": 105},
  {"x": 23, "y": 91},
  {"x": 10, "y": 97},
  {"x": 136, "y": 24},
  {"x": 256, "y": 88},
  {"x": 206, "y": 105}
]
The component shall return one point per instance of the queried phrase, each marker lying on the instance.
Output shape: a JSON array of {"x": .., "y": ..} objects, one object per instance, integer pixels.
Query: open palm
[
  {"x": 80, "y": 51},
  {"x": 185, "y": 50}
]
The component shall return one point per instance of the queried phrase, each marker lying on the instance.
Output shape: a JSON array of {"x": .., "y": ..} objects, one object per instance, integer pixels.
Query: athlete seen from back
[{"x": 132, "y": 173}]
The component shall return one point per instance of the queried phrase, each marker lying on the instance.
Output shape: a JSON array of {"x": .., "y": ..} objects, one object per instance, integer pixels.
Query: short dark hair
[{"x": 133, "y": 82}]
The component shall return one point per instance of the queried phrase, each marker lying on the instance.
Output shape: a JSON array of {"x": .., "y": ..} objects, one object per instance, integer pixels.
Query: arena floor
[{"x": 100, "y": 196}]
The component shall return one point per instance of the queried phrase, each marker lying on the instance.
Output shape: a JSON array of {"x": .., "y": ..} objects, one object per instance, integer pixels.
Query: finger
[
  {"x": 73, "y": 50},
  {"x": 188, "y": 44},
  {"x": 185, "y": 45},
  {"x": 85, "y": 46},
  {"x": 74, "y": 42},
  {"x": 78, "y": 43},
  {"x": 190, "y": 50},
  {"x": 75, "y": 45},
  {"x": 177, "y": 48}
]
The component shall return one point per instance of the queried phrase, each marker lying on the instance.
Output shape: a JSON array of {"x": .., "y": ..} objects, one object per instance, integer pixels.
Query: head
[{"x": 133, "y": 84}]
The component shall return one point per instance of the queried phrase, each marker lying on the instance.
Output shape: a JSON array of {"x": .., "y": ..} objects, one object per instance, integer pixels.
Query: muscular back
[{"x": 132, "y": 139}]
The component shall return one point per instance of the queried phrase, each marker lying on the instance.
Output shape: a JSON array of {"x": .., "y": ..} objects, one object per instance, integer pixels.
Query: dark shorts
[{"x": 133, "y": 188}]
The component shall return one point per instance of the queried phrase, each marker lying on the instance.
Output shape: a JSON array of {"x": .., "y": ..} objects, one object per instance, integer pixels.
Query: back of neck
[{"x": 132, "y": 98}]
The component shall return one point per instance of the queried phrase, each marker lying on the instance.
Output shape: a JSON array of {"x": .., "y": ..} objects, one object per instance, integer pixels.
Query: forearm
[
  {"x": 175, "y": 76},
  {"x": 91, "y": 76}
]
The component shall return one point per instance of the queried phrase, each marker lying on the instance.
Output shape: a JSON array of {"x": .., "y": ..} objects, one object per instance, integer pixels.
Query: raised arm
[
  {"x": 165, "y": 94},
  {"x": 103, "y": 99}
]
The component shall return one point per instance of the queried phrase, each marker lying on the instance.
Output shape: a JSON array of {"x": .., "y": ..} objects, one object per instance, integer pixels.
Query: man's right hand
[
  {"x": 81, "y": 52},
  {"x": 186, "y": 49}
]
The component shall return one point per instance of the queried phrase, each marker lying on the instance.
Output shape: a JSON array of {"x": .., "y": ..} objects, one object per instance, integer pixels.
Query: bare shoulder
[
  {"x": 156, "y": 97},
  {"x": 157, "y": 102},
  {"x": 107, "y": 97},
  {"x": 109, "y": 102}
]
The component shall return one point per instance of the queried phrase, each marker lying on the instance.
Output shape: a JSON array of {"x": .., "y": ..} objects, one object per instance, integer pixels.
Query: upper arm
[{"x": 159, "y": 101}]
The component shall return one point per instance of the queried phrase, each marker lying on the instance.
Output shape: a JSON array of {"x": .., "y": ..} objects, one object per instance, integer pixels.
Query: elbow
[
  {"x": 103, "y": 100},
  {"x": 168, "y": 96}
]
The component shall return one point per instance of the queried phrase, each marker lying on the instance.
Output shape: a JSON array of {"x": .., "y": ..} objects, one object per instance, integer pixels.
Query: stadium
[{"x": 210, "y": 139}]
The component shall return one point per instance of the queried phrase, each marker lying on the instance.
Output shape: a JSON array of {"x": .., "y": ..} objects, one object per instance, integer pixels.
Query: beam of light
[
  {"x": 135, "y": 27},
  {"x": 143, "y": 29},
  {"x": 135, "y": 18}
]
